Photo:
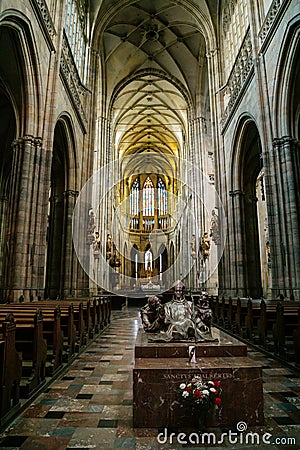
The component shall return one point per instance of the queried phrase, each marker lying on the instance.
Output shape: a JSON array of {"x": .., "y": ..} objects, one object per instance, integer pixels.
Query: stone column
[
  {"x": 235, "y": 279},
  {"x": 69, "y": 259},
  {"x": 3, "y": 241},
  {"x": 216, "y": 83},
  {"x": 195, "y": 181},
  {"x": 55, "y": 245},
  {"x": 284, "y": 228},
  {"x": 26, "y": 237}
]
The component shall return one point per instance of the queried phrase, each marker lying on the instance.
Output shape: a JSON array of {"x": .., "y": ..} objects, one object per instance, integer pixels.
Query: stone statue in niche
[
  {"x": 205, "y": 245},
  {"x": 149, "y": 271},
  {"x": 96, "y": 245},
  {"x": 193, "y": 247},
  {"x": 180, "y": 320},
  {"x": 214, "y": 228},
  {"x": 91, "y": 227},
  {"x": 108, "y": 247}
]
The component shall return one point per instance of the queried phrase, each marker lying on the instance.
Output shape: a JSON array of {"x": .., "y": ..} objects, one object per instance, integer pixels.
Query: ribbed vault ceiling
[{"x": 163, "y": 41}]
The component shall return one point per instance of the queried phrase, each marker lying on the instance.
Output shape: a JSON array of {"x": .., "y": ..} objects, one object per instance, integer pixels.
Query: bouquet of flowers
[{"x": 201, "y": 395}]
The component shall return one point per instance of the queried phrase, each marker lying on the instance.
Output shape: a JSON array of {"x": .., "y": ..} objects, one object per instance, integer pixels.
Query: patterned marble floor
[{"x": 90, "y": 406}]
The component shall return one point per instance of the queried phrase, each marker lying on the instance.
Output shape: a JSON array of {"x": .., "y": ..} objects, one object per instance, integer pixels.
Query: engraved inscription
[{"x": 205, "y": 376}]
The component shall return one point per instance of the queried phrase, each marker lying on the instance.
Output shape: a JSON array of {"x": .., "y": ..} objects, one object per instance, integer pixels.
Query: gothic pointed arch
[
  {"x": 21, "y": 59},
  {"x": 61, "y": 262},
  {"x": 285, "y": 164},
  {"x": 244, "y": 242},
  {"x": 286, "y": 90},
  {"x": 21, "y": 156},
  {"x": 148, "y": 197}
]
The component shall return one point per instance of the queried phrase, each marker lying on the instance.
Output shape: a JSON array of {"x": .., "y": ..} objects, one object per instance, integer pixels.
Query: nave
[{"x": 90, "y": 405}]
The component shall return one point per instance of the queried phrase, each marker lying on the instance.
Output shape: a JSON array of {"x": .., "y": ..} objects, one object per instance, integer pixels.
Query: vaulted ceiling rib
[{"x": 150, "y": 114}]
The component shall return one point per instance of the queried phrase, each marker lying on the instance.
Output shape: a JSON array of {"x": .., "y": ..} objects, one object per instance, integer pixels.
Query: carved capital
[
  {"x": 278, "y": 142},
  {"x": 71, "y": 194},
  {"x": 236, "y": 193},
  {"x": 28, "y": 139},
  {"x": 38, "y": 141}
]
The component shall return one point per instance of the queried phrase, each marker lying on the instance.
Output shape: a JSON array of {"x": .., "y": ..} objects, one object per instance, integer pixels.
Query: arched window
[
  {"x": 235, "y": 23},
  {"x": 148, "y": 198},
  {"x": 148, "y": 260},
  {"x": 134, "y": 198},
  {"x": 162, "y": 197}
]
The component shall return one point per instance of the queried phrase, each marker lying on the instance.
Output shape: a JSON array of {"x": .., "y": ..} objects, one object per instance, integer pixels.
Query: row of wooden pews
[
  {"x": 272, "y": 325},
  {"x": 38, "y": 340}
]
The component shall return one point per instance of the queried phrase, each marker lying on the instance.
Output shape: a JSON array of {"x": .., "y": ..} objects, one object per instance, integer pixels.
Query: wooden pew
[
  {"x": 287, "y": 321},
  {"x": 10, "y": 369},
  {"x": 67, "y": 321},
  {"x": 252, "y": 319},
  {"x": 223, "y": 313},
  {"x": 53, "y": 334},
  {"x": 296, "y": 341},
  {"x": 33, "y": 347},
  {"x": 230, "y": 316},
  {"x": 52, "y": 331},
  {"x": 82, "y": 319}
]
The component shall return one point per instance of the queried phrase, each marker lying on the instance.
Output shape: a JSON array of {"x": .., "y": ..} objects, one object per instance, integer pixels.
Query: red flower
[
  {"x": 197, "y": 394},
  {"x": 218, "y": 401},
  {"x": 188, "y": 389},
  {"x": 217, "y": 384}
]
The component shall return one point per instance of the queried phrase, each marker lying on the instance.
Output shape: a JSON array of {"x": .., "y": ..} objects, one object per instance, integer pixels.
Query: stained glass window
[
  {"x": 162, "y": 198},
  {"x": 136, "y": 262},
  {"x": 134, "y": 198},
  {"x": 148, "y": 259},
  {"x": 148, "y": 198}
]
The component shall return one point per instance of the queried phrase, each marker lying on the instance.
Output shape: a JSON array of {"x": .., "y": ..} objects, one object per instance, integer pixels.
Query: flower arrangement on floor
[{"x": 200, "y": 394}]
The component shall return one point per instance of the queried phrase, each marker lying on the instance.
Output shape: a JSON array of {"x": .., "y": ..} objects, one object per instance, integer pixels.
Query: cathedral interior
[{"x": 142, "y": 143}]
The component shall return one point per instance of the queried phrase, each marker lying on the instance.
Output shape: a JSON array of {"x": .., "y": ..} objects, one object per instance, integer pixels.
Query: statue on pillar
[
  {"x": 96, "y": 245},
  {"x": 91, "y": 227},
  {"x": 205, "y": 246},
  {"x": 193, "y": 247},
  {"x": 214, "y": 228},
  {"x": 108, "y": 247}
]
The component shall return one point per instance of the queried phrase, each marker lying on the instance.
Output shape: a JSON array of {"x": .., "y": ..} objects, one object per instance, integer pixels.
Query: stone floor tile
[{"x": 90, "y": 406}]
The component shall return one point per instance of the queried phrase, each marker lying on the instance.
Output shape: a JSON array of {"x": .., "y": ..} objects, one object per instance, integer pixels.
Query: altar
[{"x": 150, "y": 287}]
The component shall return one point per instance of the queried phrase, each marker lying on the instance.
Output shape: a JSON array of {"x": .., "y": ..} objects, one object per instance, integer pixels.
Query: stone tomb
[{"x": 161, "y": 367}]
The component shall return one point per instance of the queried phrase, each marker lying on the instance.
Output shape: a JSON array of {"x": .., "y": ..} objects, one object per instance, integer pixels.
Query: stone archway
[
  {"x": 22, "y": 162},
  {"x": 61, "y": 279},
  {"x": 7, "y": 135},
  {"x": 244, "y": 241},
  {"x": 285, "y": 169},
  {"x": 250, "y": 168}
]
